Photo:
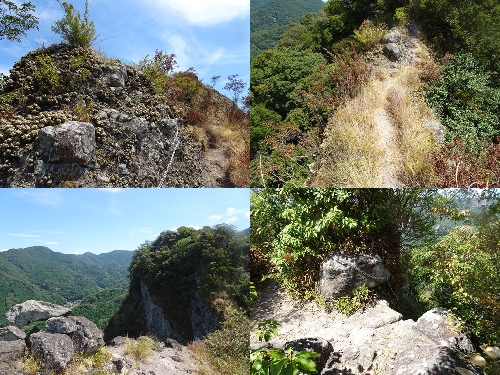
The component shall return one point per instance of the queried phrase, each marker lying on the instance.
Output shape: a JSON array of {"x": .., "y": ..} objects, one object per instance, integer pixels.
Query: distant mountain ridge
[
  {"x": 39, "y": 273},
  {"x": 269, "y": 18}
]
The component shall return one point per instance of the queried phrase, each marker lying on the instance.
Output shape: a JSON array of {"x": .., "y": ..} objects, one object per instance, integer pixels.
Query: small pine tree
[{"x": 75, "y": 31}]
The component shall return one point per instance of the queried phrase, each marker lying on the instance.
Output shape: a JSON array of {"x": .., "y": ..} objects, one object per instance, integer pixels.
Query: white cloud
[
  {"x": 215, "y": 217},
  {"x": 45, "y": 197},
  {"x": 23, "y": 235},
  {"x": 231, "y": 211},
  {"x": 204, "y": 12},
  {"x": 231, "y": 220},
  {"x": 247, "y": 214},
  {"x": 50, "y": 243},
  {"x": 1, "y": 250}
]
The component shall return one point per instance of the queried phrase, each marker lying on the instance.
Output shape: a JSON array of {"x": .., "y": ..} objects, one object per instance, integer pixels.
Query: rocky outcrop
[
  {"x": 72, "y": 142},
  {"x": 372, "y": 341},
  {"x": 83, "y": 333},
  {"x": 31, "y": 311},
  {"x": 54, "y": 350},
  {"x": 396, "y": 48},
  {"x": 445, "y": 329},
  {"x": 11, "y": 350},
  {"x": 156, "y": 322},
  {"x": 132, "y": 137},
  {"x": 11, "y": 333},
  {"x": 341, "y": 274},
  {"x": 204, "y": 319}
]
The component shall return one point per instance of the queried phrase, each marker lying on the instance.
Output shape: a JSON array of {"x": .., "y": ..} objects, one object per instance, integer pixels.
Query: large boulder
[
  {"x": 31, "y": 311},
  {"x": 54, "y": 350},
  {"x": 392, "y": 52},
  {"x": 115, "y": 75},
  {"x": 342, "y": 274},
  {"x": 377, "y": 316},
  {"x": 431, "y": 360},
  {"x": 60, "y": 324},
  {"x": 393, "y": 36},
  {"x": 87, "y": 336},
  {"x": 11, "y": 333},
  {"x": 445, "y": 329},
  {"x": 71, "y": 142},
  {"x": 11, "y": 350}
]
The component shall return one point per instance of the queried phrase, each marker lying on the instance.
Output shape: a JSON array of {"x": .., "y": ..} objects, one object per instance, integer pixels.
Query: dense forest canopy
[
  {"x": 323, "y": 59},
  {"x": 441, "y": 246}
]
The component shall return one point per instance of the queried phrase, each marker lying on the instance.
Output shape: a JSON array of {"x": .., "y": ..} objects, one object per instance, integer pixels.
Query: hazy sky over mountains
[
  {"x": 101, "y": 220},
  {"x": 213, "y": 36}
]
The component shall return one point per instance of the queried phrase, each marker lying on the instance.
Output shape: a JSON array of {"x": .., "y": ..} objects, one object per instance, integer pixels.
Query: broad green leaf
[
  {"x": 306, "y": 365},
  {"x": 291, "y": 369},
  {"x": 278, "y": 366},
  {"x": 276, "y": 354},
  {"x": 477, "y": 359}
]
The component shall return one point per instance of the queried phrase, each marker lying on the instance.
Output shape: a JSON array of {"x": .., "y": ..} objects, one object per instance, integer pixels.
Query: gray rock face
[
  {"x": 115, "y": 75},
  {"x": 140, "y": 127},
  {"x": 203, "y": 319},
  {"x": 60, "y": 325},
  {"x": 393, "y": 36},
  {"x": 54, "y": 350},
  {"x": 156, "y": 322},
  {"x": 431, "y": 360},
  {"x": 72, "y": 142},
  {"x": 11, "y": 350},
  {"x": 341, "y": 274},
  {"x": 380, "y": 315},
  {"x": 11, "y": 333},
  {"x": 392, "y": 51},
  {"x": 445, "y": 330},
  {"x": 31, "y": 311},
  {"x": 87, "y": 336}
]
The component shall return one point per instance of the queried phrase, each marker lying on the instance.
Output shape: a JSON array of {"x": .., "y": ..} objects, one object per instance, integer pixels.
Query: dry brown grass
[
  {"x": 351, "y": 157},
  {"x": 408, "y": 112}
]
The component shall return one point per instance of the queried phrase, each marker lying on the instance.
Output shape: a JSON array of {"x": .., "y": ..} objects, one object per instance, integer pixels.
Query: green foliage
[
  {"x": 296, "y": 228},
  {"x": 75, "y": 31},
  {"x": 226, "y": 350},
  {"x": 467, "y": 101},
  {"x": 46, "y": 74},
  {"x": 401, "y": 16},
  {"x": 83, "y": 110},
  {"x": 459, "y": 272},
  {"x": 261, "y": 120},
  {"x": 269, "y": 19},
  {"x": 101, "y": 306},
  {"x": 185, "y": 86},
  {"x": 348, "y": 305},
  {"x": 77, "y": 71},
  {"x": 157, "y": 69},
  {"x": 16, "y": 20},
  {"x": 368, "y": 34},
  {"x": 276, "y": 73},
  {"x": 273, "y": 361},
  {"x": 139, "y": 349}
]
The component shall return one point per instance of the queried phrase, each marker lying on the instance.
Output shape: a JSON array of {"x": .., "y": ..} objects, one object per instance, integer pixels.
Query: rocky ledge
[{"x": 373, "y": 341}]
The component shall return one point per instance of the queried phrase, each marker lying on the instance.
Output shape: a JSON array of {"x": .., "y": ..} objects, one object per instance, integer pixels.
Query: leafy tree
[
  {"x": 16, "y": 20},
  {"x": 235, "y": 86},
  {"x": 75, "y": 31}
]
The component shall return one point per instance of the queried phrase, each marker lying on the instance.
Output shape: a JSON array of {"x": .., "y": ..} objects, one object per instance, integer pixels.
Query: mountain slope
[
  {"x": 40, "y": 273},
  {"x": 269, "y": 18}
]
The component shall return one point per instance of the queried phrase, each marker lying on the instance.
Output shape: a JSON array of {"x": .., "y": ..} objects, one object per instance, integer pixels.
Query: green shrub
[
  {"x": 348, "y": 305},
  {"x": 368, "y": 34},
  {"x": 140, "y": 349},
  {"x": 77, "y": 72},
  {"x": 46, "y": 74},
  {"x": 75, "y": 31},
  {"x": 466, "y": 101},
  {"x": 401, "y": 16},
  {"x": 83, "y": 110}
]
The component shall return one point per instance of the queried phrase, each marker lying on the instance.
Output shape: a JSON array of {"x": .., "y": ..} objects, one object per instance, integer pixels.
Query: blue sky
[
  {"x": 213, "y": 36},
  {"x": 101, "y": 220}
]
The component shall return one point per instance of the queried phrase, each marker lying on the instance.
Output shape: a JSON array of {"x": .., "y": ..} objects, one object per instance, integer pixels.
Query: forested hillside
[
  {"x": 456, "y": 267},
  {"x": 372, "y": 93},
  {"x": 42, "y": 274},
  {"x": 269, "y": 18}
]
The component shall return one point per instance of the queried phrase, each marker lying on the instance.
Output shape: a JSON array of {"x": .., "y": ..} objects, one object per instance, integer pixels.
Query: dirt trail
[{"x": 387, "y": 138}]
